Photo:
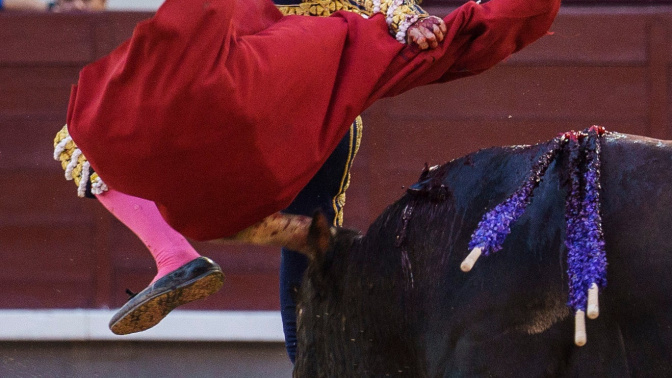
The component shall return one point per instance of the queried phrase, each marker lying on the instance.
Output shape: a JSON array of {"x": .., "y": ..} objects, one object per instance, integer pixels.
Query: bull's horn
[
  {"x": 282, "y": 230},
  {"x": 593, "y": 309},
  {"x": 580, "y": 328},
  {"x": 469, "y": 262}
]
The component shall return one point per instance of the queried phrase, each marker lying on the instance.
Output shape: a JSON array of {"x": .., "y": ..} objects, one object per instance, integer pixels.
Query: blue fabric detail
[{"x": 287, "y": 2}]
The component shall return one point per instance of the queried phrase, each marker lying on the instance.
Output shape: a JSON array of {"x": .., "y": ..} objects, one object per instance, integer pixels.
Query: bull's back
[{"x": 509, "y": 315}]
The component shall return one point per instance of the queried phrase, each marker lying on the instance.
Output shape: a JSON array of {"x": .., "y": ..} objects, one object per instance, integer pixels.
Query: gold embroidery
[
  {"x": 338, "y": 201},
  {"x": 323, "y": 8},
  {"x": 74, "y": 164},
  {"x": 400, "y": 13}
]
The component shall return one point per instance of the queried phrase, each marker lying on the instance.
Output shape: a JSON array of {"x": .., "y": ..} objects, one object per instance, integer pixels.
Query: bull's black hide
[{"x": 394, "y": 301}]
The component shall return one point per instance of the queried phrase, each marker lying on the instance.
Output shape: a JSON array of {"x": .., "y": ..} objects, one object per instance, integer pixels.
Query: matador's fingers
[
  {"x": 427, "y": 32},
  {"x": 438, "y": 33},
  {"x": 437, "y": 26},
  {"x": 442, "y": 26},
  {"x": 415, "y": 36}
]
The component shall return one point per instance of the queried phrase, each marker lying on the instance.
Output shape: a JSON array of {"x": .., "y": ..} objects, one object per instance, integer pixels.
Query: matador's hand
[{"x": 427, "y": 32}]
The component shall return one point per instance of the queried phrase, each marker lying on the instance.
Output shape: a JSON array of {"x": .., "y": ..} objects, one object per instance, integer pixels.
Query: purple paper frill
[
  {"x": 586, "y": 255},
  {"x": 496, "y": 224}
]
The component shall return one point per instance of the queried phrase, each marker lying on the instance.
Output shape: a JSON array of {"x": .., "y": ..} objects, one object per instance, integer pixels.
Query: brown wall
[{"x": 606, "y": 65}]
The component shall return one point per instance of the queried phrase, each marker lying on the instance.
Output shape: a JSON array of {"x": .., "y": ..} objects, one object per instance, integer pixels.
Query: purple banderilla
[{"x": 586, "y": 257}]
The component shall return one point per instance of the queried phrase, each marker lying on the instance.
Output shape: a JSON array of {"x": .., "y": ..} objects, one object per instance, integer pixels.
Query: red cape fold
[{"x": 221, "y": 111}]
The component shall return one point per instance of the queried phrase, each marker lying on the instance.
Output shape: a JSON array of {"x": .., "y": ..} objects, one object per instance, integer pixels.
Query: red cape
[{"x": 221, "y": 111}]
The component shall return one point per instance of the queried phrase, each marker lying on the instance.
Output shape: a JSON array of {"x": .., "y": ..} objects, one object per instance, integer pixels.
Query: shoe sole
[{"x": 149, "y": 313}]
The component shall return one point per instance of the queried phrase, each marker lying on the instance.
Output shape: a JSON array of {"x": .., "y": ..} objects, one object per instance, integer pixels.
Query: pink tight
[{"x": 168, "y": 247}]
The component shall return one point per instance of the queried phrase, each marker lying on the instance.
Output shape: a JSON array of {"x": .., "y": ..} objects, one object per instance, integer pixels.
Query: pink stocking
[{"x": 168, "y": 247}]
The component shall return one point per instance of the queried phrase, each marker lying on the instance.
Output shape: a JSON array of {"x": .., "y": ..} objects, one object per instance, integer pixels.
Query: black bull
[{"x": 394, "y": 301}]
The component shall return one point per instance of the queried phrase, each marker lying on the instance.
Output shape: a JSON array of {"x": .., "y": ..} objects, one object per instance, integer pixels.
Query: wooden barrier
[{"x": 602, "y": 65}]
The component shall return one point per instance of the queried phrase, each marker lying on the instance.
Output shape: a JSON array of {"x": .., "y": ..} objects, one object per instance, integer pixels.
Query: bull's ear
[{"x": 319, "y": 235}]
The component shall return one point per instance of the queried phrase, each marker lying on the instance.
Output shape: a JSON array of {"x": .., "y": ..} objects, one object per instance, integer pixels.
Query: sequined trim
[
  {"x": 399, "y": 14},
  {"x": 75, "y": 165},
  {"x": 338, "y": 201},
  {"x": 322, "y": 8}
]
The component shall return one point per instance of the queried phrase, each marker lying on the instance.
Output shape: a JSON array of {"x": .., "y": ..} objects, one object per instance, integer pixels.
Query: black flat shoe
[{"x": 194, "y": 280}]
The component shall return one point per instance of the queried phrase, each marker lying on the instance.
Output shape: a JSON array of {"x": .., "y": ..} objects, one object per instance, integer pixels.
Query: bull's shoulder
[
  {"x": 621, "y": 139},
  {"x": 487, "y": 173},
  {"x": 633, "y": 156}
]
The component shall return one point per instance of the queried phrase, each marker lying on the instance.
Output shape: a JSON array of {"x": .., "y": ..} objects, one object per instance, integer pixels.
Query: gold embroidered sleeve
[{"x": 399, "y": 14}]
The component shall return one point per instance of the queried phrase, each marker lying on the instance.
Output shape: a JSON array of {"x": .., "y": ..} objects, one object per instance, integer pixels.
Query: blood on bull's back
[{"x": 393, "y": 302}]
